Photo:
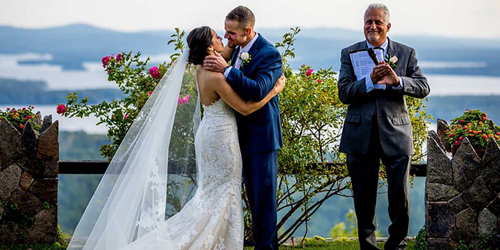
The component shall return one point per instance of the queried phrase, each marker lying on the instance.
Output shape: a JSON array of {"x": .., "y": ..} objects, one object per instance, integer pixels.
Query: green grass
[{"x": 342, "y": 245}]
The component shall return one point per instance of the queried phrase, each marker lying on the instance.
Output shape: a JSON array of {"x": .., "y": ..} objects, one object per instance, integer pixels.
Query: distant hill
[
  {"x": 14, "y": 91},
  {"x": 73, "y": 44}
]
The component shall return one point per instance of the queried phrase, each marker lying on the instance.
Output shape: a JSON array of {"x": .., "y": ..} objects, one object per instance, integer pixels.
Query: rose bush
[
  {"x": 19, "y": 117},
  {"x": 475, "y": 125}
]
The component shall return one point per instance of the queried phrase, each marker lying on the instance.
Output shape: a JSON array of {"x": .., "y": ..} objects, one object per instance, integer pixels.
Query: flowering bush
[
  {"x": 19, "y": 117},
  {"x": 474, "y": 125},
  {"x": 136, "y": 80}
]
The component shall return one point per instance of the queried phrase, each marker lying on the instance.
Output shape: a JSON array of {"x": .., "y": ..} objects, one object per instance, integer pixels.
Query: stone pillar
[
  {"x": 28, "y": 182},
  {"x": 462, "y": 195}
]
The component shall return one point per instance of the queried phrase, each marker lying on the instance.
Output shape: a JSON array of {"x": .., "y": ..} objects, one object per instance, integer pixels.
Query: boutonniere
[
  {"x": 391, "y": 60},
  {"x": 245, "y": 59}
]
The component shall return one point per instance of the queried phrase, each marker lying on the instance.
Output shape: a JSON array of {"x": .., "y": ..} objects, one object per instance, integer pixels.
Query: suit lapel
[
  {"x": 391, "y": 50},
  {"x": 256, "y": 46}
]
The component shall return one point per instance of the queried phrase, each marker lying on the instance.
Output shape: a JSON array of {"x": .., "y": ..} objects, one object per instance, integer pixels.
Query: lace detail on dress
[{"x": 213, "y": 218}]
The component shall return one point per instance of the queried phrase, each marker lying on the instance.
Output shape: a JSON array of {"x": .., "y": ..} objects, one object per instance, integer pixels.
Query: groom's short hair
[{"x": 243, "y": 15}]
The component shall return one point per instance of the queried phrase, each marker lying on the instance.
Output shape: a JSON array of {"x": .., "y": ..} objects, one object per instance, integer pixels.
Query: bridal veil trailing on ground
[{"x": 131, "y": 199}]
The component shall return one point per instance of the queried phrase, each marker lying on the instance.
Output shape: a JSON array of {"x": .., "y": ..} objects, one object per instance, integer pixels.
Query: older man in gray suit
[{"x": 377, "y": 127}]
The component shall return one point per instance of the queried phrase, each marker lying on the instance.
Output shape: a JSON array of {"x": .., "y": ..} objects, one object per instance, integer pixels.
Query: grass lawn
[{"x": 342, "y": 245}]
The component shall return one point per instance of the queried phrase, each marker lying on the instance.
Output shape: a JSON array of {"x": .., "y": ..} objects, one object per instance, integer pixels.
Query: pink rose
[
  {"x": 309, "y": 72},
  {"x": 118, "y": 57},
  {"x": 29, "y": 117},
  {"x": 154, "y": 72},
  {"x": 149, "y": 93},
  {"x": 125, "y": 116},
  {"x": 183, "y": 100},
  {"x": 61, "y": 109},
  {"x": 319, "y": 81},
  {"x": 105, "y": 61}
]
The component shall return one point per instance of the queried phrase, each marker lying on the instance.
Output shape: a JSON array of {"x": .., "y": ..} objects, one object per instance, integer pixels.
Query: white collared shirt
[{"x": 246, "y": 48}]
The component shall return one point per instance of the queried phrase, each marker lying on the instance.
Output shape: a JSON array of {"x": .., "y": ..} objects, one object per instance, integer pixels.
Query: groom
[{"x": 255, "y": 66}]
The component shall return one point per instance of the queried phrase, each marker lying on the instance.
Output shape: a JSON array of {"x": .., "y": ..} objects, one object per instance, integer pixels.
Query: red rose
[
  {"x": 309, "y": 72},
  {"x": 457, "y": 143},
  {"x": 118, "y": 57},
  {"x": 461, "y": 138},
  {"x": 61, "y": 109},
  {"x": 154, "y": 72},
  {"x": 462, "y": 121},
  {"x": 105, "y": 61},
  {"x": 485, "y": 136}
]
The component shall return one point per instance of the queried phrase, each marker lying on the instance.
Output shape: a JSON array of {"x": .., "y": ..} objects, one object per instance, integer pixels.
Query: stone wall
[
  {"x": 462, "y": 196},
  {"x": 28, "y": 182}
]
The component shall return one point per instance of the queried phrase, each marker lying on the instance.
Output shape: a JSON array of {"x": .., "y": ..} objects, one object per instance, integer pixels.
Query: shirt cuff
[
  {"x": 400, "y": 86},
  {"x": 369, "y": 84},
  {"x": 227, "y": 70}
]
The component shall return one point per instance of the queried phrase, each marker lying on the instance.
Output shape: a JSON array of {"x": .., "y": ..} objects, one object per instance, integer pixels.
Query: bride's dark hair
[{"x": 199, "y": 39}]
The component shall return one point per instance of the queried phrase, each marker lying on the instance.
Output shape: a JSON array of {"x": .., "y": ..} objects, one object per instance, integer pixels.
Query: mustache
[{"x": 373, "y": 30}]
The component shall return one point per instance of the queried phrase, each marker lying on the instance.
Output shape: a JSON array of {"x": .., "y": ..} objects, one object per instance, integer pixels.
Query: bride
[{"x": 128, "y": 208}]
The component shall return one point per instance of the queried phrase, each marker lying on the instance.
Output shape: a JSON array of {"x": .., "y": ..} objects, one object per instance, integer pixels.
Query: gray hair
[{"x": 380, "y": 6}]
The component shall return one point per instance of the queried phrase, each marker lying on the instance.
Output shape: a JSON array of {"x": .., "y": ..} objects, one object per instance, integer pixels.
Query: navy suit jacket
[{"x": 260, "y": 131}]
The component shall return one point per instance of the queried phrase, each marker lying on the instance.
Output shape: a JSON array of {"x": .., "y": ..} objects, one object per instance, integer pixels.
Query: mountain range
[{"x": 72, "y": 45}]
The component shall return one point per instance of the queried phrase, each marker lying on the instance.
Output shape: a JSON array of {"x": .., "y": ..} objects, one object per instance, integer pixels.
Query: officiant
[{"x": 377, "y": 127}]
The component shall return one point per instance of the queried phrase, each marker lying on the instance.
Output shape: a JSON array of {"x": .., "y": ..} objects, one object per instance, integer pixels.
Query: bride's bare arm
[
  {"x": 234, "y": 100},
  {"x": 226, "y": 53}
]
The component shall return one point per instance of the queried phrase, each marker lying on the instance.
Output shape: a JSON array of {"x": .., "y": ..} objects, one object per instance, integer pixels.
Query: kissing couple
[{"x": 128, "y": 208}]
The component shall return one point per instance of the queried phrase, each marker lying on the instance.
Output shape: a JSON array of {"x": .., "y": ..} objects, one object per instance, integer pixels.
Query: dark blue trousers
[{"x": 260, "y": 175}]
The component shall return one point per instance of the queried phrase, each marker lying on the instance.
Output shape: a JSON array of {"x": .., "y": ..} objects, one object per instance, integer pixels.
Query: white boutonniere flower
[
  {"x": 245, "y": 59},
  {"x": 391, "y": 60}
]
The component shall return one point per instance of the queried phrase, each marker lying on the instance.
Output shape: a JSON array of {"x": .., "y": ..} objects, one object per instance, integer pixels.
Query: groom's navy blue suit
[{"x": 260, "y": 137}]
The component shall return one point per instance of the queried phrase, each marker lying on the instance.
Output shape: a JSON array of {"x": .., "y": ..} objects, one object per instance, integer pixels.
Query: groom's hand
[{"x": 215, "y": 63}]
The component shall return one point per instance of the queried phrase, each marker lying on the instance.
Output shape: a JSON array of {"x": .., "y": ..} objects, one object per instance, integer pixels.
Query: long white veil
[{"x": 131, "y": 199}]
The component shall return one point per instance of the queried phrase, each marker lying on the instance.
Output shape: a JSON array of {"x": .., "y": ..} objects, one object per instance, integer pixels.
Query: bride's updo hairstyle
[{"x": 199, "y": 39}]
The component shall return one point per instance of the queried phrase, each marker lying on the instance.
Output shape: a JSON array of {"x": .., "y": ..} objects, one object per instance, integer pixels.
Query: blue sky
[{"x": 459, "y": 18}]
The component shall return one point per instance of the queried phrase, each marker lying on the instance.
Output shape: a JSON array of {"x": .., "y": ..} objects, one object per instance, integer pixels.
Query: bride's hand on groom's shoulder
[
  {"x": 280, "y": 84},
  {"x": 215, "y": 63}
]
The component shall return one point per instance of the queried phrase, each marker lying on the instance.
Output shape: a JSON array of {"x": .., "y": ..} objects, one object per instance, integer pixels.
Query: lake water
[{"x": 94, "y": 76}]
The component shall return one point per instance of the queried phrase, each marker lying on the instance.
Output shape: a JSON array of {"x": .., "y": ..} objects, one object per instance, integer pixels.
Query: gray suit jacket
[{"x": 389, "y": 105}]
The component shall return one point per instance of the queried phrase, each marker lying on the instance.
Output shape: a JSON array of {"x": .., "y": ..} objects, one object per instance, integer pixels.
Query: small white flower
[
  {"x": 245, "y": 56},
  {"x": 393, "y": 59}
]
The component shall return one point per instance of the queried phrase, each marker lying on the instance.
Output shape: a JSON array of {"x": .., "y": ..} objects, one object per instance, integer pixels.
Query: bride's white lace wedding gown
[{"x": 213, "y": 218}]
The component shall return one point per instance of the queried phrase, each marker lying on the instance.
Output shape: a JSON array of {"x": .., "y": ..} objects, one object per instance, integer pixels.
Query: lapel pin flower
[
  {"x": 245, "y": 59},
  {"x": 391, "y": 60}
]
